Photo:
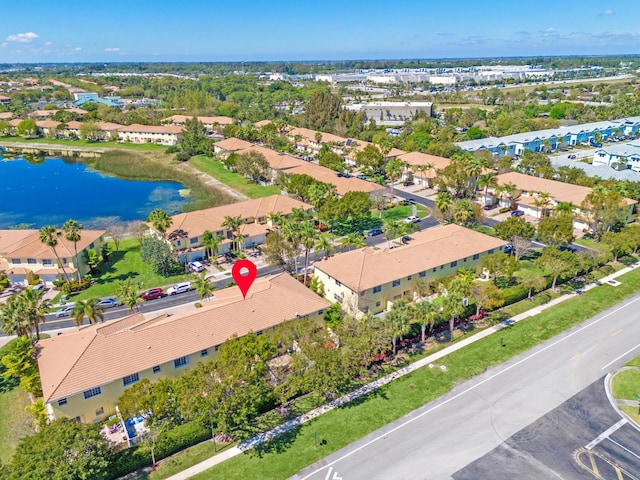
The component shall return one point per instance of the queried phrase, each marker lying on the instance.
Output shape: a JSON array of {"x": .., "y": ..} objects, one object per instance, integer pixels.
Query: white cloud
[
  {"x": 23, "y": 37},
  {"x": 4, "y": 44},
  {"x": 112, "y": 49},
  {"x": 550, "y": 30},
  {"x": 606, "y": 13},
  {"x": 78, "y": 49},
  {"x": 47, "y": 44}
]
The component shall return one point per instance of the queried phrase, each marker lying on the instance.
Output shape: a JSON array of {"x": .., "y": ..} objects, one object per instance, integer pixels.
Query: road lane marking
[
  {"x": 618, "y": 358},
  {"x": 471, "y": 388},
  {"x": 574, "y": 357},
  {"x": 606, "y": 434},
  {"x": 623, "y": 447},
  {"x": 616, "y": 332}
]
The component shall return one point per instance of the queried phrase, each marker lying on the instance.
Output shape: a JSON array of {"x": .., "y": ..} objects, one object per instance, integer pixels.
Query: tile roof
[
  {"x": 232, "y": 144},
  {"x": 417, "y": 159},
  {"x": 326, "y": 175},
  {"x": 559, "y": 191},
  {"x": 180, "y": 119},
  {"x": 6, "y": 115},
  {"x": 369, "y": 267},
  {"x": 195, "y": 223},
  {"x": 68, "y": 363},
  {"x": 137, "y": 128},
  {"x": 26, "y": 244},
  {"x": 276, "y": 160}
]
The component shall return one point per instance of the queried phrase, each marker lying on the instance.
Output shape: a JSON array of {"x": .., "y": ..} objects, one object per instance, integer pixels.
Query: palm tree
[
  {"x": 203, "y": 286},
  {"x": 323, "y": 244},
  {"x": 131, "y": 299},
  {"x": 391, "y": 230},
  {"x": 486, "y": 181},
  {"x": 160, "y": 220},
  {"x": 399, "y": 320},
  {"x": 89, "y": 309},
  {"x": 541, "y": 202},
  {"x": 453, "y": 308},
  {"x": 71, "y": 229},
  {"x": 474, "y": 167},
  {"x": 462, "y": 211},
  {"x": 444, "y": 201},
  {"x": 308, "y": 237},
  {"x": 276, "y": 219},
  {"x": 36, "y": 308},
  {"x": 564, "y": 208},
  {"x": 233, "y": 224},
  {"x": 13, "y": 317},
  {"x": 352, "y": 240},
  {"x": 211, "y": 243},
  {"x": 49, "y": 236},
  {"x": 426, "y": 312},
  {"x": 240, "y": 245}
]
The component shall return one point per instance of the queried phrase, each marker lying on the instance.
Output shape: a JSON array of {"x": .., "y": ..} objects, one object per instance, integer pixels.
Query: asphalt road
[{"x": 446, "y": 435}]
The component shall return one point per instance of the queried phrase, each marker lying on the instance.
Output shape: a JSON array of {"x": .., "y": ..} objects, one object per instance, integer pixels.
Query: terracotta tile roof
[
  {"x": 368, "y": 267},
  {"x": 137, "y": 128},
  {"x": 180, "y": 119},
  {"x": 559, "y": 191},
  {"x": 67, "y": 362},
  {"x": 416, "y": 159},
  {"x": 326, "y": 175},
  {"x": 195, "y": 223},
  {"x": 74, "y": 125},
  {"x": 108, "y": 126},
  {"x": 26, "y": 244},
  {"x": 6, "y": 115},
  {"x": 232, "y": 144},
  {"x": 277, "y": 161},
  {"x": 311, "y": 135},
  {"x": 42, "y": 113},
  {"x": 262, "y": 123},
  {"x": 47, "y": 123}
]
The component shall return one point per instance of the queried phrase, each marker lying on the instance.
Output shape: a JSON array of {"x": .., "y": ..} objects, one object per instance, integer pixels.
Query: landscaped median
[
  {"x": 288, "y": 453},
  {"x": 625, "y": 388}
]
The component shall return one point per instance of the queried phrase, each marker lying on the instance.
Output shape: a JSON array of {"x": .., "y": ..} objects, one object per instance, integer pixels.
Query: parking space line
[
  {"x": 606, "y": 434},
  {"x": 624, "y": 448}
]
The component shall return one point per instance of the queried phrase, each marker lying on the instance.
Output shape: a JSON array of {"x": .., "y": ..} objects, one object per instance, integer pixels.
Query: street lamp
[{"x": 213, "y": 433}]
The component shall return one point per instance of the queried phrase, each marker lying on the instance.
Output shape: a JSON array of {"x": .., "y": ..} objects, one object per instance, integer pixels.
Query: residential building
[
  {"x": 5, "y": 100},
  {"x": 343, "y": 184},
  {"x": 226, "y": 147},
  {"x": 423, "y": 166},
  {"x": 210, "y": 123},
  {"x": 186, "y": 229},
  {"x": 544, "y": 140},
  {"x": 161, "y": 135},
  {"x": 369, "y": 280},
  {"x": 392, "y": 113},
  {"x": 85, "y": 371},
  {"x": 23, "y": 255},
  {"x": 6, "y": 115},
  {"x": 81, "y": 98},
  {"x": 529, "y": 189},
  {"x": 626, "y": 155}
]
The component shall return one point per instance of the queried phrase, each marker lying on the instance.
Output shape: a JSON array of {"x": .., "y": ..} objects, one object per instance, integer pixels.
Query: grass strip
[
  {"x": 295, "y": 450},
  {"x": 626, "y": 385}
]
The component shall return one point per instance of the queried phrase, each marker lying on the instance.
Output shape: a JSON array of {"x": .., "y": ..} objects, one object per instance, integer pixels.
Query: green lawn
[
  {"x": 400, "y": 212},
  {"x": 181, "y": 461},
  {"x": 632, "y": 412},
  {"x": 589, "y": 243},
  {"x": 484, "y": 229},
  {"x": 124, "y": 264},
  {"x": 626, "y": 384},
  {"x": 85, "y": 143},
  {"x": 216, "y": 169},
  {"x": 634, "y": 363},
  {"x": 15, "y": 422},
  {"x": 291, "y": 452}
]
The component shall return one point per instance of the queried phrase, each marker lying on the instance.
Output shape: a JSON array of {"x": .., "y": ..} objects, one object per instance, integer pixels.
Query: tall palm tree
[
  {"x": 486, "y": 181},
  {"x": 391, "y": 230},
  {"x": 541, "y": 202},
  {"x": 49, "y": 236},
  {"x": 323, "y": 244},
  {"x": 426, "y": 312},
  {"x": 211, "y": 243},
  {"x": 203, "y": 286},
  {"x": 564, "y": 208},
  {"x": 71, "y": 229},
  {"x": 276, "y": 219},
  {"x": 474, "y": 167},
  {"x": 352, "y": 240},
  {"x": 308, "y": 238},
  {"x": 452, "y": 308},
  {"x": 444, "y": 201},
  {"x": 36, "y": 308},
  {"x": 233, "y": 224},
  {"x": 291, "y": 233},
  {"x": 160, "y": 220},
  {"x": 13, "y": 317},
  {"x": 131, "y": 299},
  {"x": 89, "y": 309},
  {"x": 399, "y": 320}
]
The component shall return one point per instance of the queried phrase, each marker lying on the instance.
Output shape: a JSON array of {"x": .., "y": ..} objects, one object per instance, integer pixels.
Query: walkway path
[
  {"x": 427, "y": 361},
  {"x": 212, "y": 181}
]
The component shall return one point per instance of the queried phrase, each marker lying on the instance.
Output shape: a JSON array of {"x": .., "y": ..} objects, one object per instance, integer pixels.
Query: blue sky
[{"x": 211, "y": 30}]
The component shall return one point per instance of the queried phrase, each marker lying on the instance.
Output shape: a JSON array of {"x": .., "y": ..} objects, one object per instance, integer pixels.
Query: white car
[
  {"x": 196, "y": 266},
  {"x": 107, "y": 302},
  {"x": 179, "y": 288},
  {"x": 64, "y": 311},
  {"x": 411, "y": 219}
]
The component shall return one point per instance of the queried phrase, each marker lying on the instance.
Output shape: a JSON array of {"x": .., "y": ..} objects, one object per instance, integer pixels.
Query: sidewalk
[{"x": 259, "y": 439}]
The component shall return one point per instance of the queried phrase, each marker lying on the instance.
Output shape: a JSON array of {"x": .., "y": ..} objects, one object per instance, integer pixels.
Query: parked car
[
  {"x": 361, "y": 176},
  {"x": 64, "y": 311},
  {"x": 572, "y": 156},
  {"x": 597, "y": 144},
  {"x": 196, "y": 266},
  {"x": 38, "y": 287},
  {"x": 374, "y": 231},
  {"x": 179, "y": 288},
  {"x": 407, "y": 184},
  {"x": 567, "y": 248},
  {"x": 411, "y": 201},
  {"x": 517, "y": 213},
  {"x": 152, "y": 294},
  {"x": 491, "y": 206},
  {"x": 508, "y": 248},
  {"x": 107, "y": 302},
  {"x": 411, "y": 219},
  {"x": 405, "y": 239}
]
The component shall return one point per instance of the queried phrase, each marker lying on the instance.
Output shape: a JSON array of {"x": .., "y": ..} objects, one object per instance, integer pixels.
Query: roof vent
[{"x": 148, "y": 347}]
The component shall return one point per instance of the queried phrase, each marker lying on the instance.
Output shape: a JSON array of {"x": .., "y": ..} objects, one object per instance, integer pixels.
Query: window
[
  {"x": 47, "y": 261},
  {"x": 377, "y": 304},
  {"x": 156, "y": 369},
  {"x": 454, "y": 264},
  {"x": 464, "y": 259},
  {"x": 337, "y": 297},
  {"x": 441, "y": 267},
  {"x": 15, "y": 261},
  {"x": 260, "y": 332},
  {"x": 129, "y": 379},
  {"x": 396, "y": 283},
  {"x": 91, "y": 245},
  {"x": 193, "y": 240},
  {"x": 65, "y": 261},
  {"x": 409, "y": 277},
  {"x": 62, "y": 401},
  {"x": 435, "y": 269},
  {"x": 178, "y": 243},
  {"x": 423, "y": 274},
  {"x": 179, "y": 362},
  {"x": 216, "y": 348},
  {"x": 31, "y": 261},
  {"x": 92, "y": 392},
  {"x": 476, "y": 256},
  {"x": 204, "y": 353},
  {"x": 99, "y": 411},
  {"x": 338, "y": 283},
  {"x": 320, "y": 312},
  {"x": 377, "y": 289},
  {"x": 490, "y": 251}
]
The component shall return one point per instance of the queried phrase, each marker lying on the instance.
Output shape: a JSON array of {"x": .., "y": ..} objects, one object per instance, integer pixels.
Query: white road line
[
  {"x": 605, "y": 434},
  {"x": 618, "y": 358},
  {"x": 473, "y": 387},
  {"x": 624, "y": 448}
]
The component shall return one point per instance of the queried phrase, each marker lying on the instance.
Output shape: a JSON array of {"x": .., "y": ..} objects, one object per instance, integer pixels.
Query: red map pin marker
[{"x": 244, "y": 281}]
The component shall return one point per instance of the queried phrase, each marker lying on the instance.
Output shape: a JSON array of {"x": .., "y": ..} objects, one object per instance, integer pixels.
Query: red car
[{"x": 153, "y": 293}]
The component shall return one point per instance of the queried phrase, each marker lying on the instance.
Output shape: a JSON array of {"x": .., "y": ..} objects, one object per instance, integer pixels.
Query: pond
[{"x": 53, "y": 190}]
